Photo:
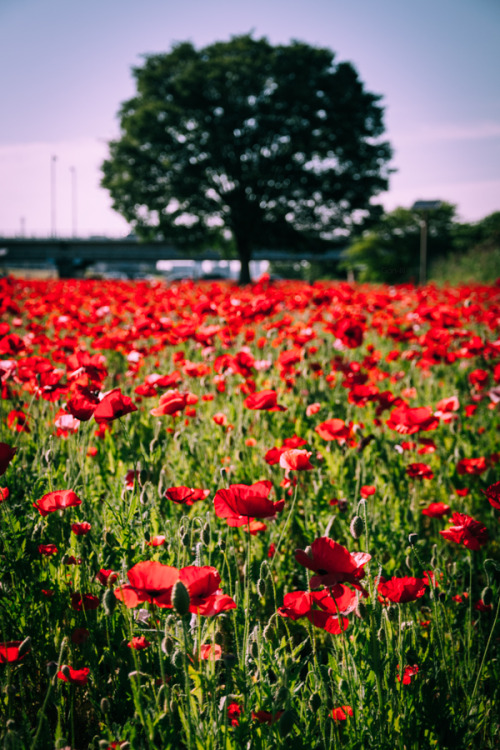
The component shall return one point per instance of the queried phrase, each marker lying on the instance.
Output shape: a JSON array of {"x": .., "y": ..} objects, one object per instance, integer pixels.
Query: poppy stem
[
  {"x": 285, "y": 527},
  {"x": 471, "y": 702}
]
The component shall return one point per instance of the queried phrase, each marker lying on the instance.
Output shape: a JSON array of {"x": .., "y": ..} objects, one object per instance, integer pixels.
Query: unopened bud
[
  {"x": 24, "y": 647},
  {"x": 361, "y": 610},
  {"x": 261, "y": 587},
  {"x": 181, "y": 599},
  {"x": 177, "y": 659},
  {"x": 413, "y": 539},
  {"x": 381, "y": 635},
  {"x": 51, "y": 668},
  {"x": 357, "y": 527},
  {"x": 205, "y": 534},
  {"x": 104, "y": 705},
  {"x": 487, "y": 595},
  {"x": 109, "y": 602},
  {"x": 185, "y": 539},
  {"x": 66, "y": 671},
  {"x": 315, "y": 702},
  {"x": 392, "y": 613}
]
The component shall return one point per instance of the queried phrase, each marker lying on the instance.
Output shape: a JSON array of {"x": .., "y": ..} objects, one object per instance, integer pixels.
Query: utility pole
[
  {"x": 73, "y": 200},
  {"x": 53, "y": 163},
  {"x": 424, "y": 207}
]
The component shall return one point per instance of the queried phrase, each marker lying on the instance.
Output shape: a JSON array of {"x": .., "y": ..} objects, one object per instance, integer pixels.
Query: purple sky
[{"x": 65, "y": 69}]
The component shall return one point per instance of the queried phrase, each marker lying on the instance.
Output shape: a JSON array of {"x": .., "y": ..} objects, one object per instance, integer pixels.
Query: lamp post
[
  {"x": 53, "y": 195},
  {"x": 424, "y": 207},
  {"x": 73, "y": 199}
]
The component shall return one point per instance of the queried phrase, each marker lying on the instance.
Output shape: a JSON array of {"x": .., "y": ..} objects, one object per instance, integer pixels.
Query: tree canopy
[{"x": 248, "y": 143}]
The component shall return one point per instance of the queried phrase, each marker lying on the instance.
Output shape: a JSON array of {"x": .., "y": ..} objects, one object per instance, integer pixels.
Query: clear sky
[{"x": 65, "y": 68}]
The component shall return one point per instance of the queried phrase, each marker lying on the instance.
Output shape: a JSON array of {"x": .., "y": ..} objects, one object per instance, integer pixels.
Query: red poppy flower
[
  {"x": 334, "y": 429},
  {"x": 296, "y": 460},
  {"x": 149, "y": 581},
  {"x": 350, "y": 333},
  {"x": 171, "y": 402},
  {"x": 312, "y": 409},
  {"x": 466, "y": 531},
  {"x": 341, "y": 714},
  {"x": 367, "y": 490},
  {"x": 139, "y": 642},
  {"x": 112, "y": 406},
  {"x": 202, "y": 584},
  {"x": 106, "y": 576},
  {"x": 266, "y": 717},
  {"x": 82, "y": 602},
  {"x": 322, "y": 608},
  {"x": 408, "y": 673},
  {"x": 58, "y": 500},
  {"x": 186, "y": 495},
  {"x": 7, "y": 453},
  {"x": 80, "y": 529},
  {"x": 79, "y": 636},
  {"x": 211, "y": 652},
  {"x": 407, "y": 421},
  {"x": 493, "y": 494},
  {"x": 333, "y": 563},
  {"x": 402, "y": 590},
  {"x": 233, "y": 713},
  {"x": 436, "y": 510},
  {"x": 9, "y": 652},
  {"x": 83, "y": 404},
  {"x": 474, "y": 466},
  {"x": 47, "y": 549},
  {"x": 74, "y": 676},
  {"x": 157, "y": 541},
  {"x": 266, "y": 400},
  {"x": 419, "y": 471},
  {"x": 4, "y": 494},
  {"x": 241, "y": 502}
]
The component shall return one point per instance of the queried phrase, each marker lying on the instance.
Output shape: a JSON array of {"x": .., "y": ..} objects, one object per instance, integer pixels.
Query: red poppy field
[{"x": 253, "y": 517}]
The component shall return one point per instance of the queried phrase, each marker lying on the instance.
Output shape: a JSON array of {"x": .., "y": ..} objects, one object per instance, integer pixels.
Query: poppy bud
[
  {"x": 381, "y": 635},
  {"x": 221, "y": 545},
  {"x": 66, "y": 671},
  {"x": 486, "y": 596},
  {"x": 392, "y": 613},
  {"x": 205, "y": 534},
  {"x": 24, "y": 647},
  {"x": 261, "y": 587},
  {"x": 315, "y": 702},
  {"x": 286, "y": 722},
  {"x": 180, "y": 598},
  {"x": 185, "y": 539},
  {"x": 268, "y": 631},
  {"x": 51, "y": 668},
  {"x": 165, "y": 644},
  {"x": 408, "y": 562},
  {"x": 361, "y": 610},
  {"x": 282, "y": 695},
  {"x": 10, "y": 725},
  {"x": 413, "y": 538},
  {"x": 104, "y": 705},
  {"x": 109, "y": 602},
  {"x": 177, "y": 659},
  {"x": 357, "y": 527}
]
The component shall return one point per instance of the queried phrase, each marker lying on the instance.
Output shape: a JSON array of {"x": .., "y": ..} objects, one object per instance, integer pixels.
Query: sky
[{"x": 66, "y": 67}]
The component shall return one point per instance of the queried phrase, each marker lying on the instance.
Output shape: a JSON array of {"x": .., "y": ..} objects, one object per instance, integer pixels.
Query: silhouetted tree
[{"x": 247, "y": 143}]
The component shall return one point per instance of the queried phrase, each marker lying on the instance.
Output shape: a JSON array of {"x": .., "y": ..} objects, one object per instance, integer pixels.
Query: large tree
[{"x": 242, "y": 141}]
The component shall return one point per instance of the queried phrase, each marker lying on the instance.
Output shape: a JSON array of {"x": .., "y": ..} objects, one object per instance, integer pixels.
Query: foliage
[
  {"x": 248, "y": 143},
  {"x": 390, "y": 251},
  {"x": 366, "y": 415}
]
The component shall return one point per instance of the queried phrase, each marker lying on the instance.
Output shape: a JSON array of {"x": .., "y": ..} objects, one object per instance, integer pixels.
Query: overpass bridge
[{"x": 72, "y": 255}]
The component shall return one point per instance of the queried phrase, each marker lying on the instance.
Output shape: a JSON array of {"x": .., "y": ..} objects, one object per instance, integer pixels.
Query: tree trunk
[{"x": 245, "y": 256}]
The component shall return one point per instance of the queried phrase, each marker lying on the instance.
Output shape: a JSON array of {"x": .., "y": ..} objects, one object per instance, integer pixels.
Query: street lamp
[
  {"x": 424, "y": 207},
  {"x": 73, "y": 199}
]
